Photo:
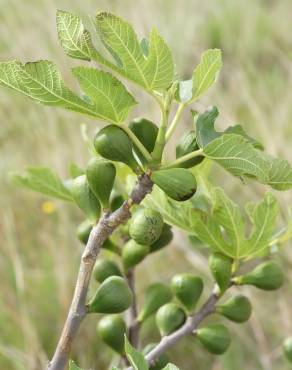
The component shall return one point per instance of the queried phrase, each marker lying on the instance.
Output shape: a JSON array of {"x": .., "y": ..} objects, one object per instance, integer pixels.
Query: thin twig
[
  {"x": 133, "y": 323},
  {"x": 188, "y": 328},
  {"x": 106, "y": 225}
]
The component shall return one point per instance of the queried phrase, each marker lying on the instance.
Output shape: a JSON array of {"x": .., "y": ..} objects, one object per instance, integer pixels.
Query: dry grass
[{"x": 39, "y": 252}]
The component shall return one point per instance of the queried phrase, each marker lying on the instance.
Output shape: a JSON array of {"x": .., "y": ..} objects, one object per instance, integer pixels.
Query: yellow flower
[{"x": 48, "y": 207}]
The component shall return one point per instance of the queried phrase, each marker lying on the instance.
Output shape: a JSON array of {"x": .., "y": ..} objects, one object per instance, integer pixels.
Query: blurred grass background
[{"x": 39, "y": 253}]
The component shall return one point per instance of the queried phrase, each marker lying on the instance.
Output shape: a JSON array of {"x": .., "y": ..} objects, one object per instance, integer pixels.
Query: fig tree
[
  {"x": 215, "y": 338},
  {"x": 187, "y": 288},
  {"x": 112, "y": 296},
  {"x": 83, "y": 231},
  {"x": 237, "y": 309},
  {"x": 178, "y": 183},
  {"x": 156, "y": 295},
  {"x": 105, "y": 268},
  {"x": 146, "y": 131},
  {"x": 164, "y": 239},
  {"x": 266, "y": 276},
  {"x": 169, "y": 318},
  {"x": 186, "y": 145},
  {"x": 112, "y": 330},
  {"x": 146, "y": 226},
  {"x": 85, "y": 199},
  {"x": 112, "y": 143},
  {"x": 133, "y": 253},
  {"x": 221, "y": 269},
  {"x": 101, "y": 175}
]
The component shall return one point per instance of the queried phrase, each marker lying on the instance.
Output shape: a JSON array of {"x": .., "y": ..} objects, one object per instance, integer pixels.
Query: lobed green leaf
[
  {"x": 206, "y": 73},
  {"x": 150, "y": 65},
  {"x": 43, "y": 180},
  {"x": 110, "y": 97},
  {"x": 238, "y": 156},
  {"x": 263, "y": 217},
  {"x": 42, "y": 82}
]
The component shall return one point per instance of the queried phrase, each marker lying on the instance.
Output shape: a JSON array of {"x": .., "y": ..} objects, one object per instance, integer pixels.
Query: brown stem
[
  {"x": 133, "y": 323},
  {"x": 188, "y": 328},
  {"x": 106, "y": 225}
]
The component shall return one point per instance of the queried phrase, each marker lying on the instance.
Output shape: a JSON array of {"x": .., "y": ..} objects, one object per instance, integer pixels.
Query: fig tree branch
[
  {"x": 77, "y": 312},
  {"x": 188, "y": 328}
]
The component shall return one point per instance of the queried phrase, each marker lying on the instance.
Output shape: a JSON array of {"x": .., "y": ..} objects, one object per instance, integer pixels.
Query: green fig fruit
[
  {"x": 105, "y": 268},
  {"x": 164, "y": 239},
  {"x": 116, "y": 202},
  {"x": 237, "y": 309},
  {"x": 160, "y": 362},
  {"x": 133, "y": 253},
  {"x": 101, "y": 175},
  {"x": 112, "y": 143},
  {"x": 146, "y": 226},
  {"x": 287, "y": 348},
  {"x": 112, "y": 296},
  {"x": 221, "y": 269},
  {"x": 112, "y": 330},
  {"x": 109, "y": 245},
  {"x": 266, "y": 276},
  {"x": 85, "y": 199},
  {"x": 215, "y": 338},
  {"x": 186, "y": 145},
  {"x": 188, "y": 289},
  {"x": 178, "y": 183},
  {"x": 156, "y": 295},
  {"x": 169, "y": 318},
  {"x": 146, "y": 131},
  {"x": 83, "y": 231}
]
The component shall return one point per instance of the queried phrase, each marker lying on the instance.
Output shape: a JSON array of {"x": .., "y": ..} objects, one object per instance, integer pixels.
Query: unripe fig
[
  {"x": 109, "y": 245},
  {"x": 105, "y": 268},
  {"x": 133, "y": 253},
  {"x": 112, "y": 143},
  {"x": 85, "y": 199},
  {"x": 221, "y": 269},
  {"x": 169, "y": 318},
  {"x": 187, "y": 288},
  {"x": 186, "y": 145},
  {"x": 146, "y": 226},
  {"x": 156, "y": 295},
  {"x": 287, "y": 348},
  {"x": 215, "y": 338},
  {"x": 83, "y": 231},
  {"x": 162, "y": 360},
  {"x": 112, "y": 296},
  {"x": 116, "y": 202},
  {"x": 237, "y": 309},
  {"x": 101, "y": 176},
  {"x": 178, "y": 183},
  {"x": 266, "y": 276},
  {"x": 112, "y": 330},
  {"x": 164, "y": 239},
  {"x": 146, "y": 131}
]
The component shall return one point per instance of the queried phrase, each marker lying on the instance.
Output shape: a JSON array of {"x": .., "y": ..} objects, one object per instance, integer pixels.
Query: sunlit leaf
[
  {"x": 43, "y": 180},
  {"x": 238, "y": 156},
  {"x": 110, "y": 97},
  {"x": 206, "y": 72}
]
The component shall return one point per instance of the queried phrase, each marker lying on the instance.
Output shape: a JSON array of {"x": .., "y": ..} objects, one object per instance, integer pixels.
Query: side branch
[
  {"x": 106, "y": 225},
  {"x": 188, "y": 328}
]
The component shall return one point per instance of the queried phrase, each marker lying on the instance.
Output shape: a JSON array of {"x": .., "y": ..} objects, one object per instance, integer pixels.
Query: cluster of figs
[
  {"x": 146, "y": 233},
  {"x": 172, "y": 303}
]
